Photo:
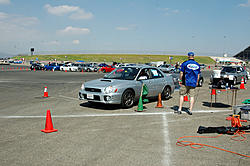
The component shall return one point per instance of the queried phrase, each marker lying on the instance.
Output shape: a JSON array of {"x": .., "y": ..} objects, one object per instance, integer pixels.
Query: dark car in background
[
  {"x": 166, "y": 68},
  {"x": 102, "y": 65},
  {"x": 37, "y": 66},
  {"x": 91, "y": 68}
]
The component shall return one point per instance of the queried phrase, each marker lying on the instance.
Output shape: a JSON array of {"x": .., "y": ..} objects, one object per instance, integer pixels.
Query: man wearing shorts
[{"x": 189, "y": 76}]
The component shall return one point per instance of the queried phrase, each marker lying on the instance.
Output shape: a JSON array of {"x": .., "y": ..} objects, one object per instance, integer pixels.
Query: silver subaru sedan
[{"x": 124, "y": 85}]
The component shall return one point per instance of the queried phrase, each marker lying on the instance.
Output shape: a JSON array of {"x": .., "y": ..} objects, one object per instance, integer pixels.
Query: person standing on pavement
[{"x": 189, "y": 76}]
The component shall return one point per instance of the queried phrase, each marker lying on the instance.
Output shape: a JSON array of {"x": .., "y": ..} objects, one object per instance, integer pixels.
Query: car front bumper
[{"x": 110, "y": 98}]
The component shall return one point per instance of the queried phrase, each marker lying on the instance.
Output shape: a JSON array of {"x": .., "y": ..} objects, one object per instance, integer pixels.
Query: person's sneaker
[
  {"x": 189, "y": 112},
  {"x": 177, "y": 111}
]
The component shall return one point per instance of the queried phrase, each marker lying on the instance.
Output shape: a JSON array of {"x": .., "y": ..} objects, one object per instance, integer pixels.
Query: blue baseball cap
[{"x": 190, "y": 54}]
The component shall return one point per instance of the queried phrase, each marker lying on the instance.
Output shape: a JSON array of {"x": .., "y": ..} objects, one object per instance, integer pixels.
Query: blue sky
[{"x": 207, "y": 27}]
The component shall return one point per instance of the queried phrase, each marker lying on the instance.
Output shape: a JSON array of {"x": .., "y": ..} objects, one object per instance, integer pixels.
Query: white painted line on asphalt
[
  {"x": 111, "y": 115},
  {"x": 167, "y": 147}
]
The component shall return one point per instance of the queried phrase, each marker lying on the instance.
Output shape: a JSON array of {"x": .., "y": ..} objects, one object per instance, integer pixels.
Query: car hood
[{"x": 102, "y": 83}]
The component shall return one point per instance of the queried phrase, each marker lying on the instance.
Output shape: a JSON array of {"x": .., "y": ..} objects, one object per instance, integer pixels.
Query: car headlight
[
  {"x": 82, "y": 87},
  {"x": 108, "y": 89}
]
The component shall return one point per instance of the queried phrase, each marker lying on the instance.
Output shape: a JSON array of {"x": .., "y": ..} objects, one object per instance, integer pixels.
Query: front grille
[{"x": 92, "y": 90}]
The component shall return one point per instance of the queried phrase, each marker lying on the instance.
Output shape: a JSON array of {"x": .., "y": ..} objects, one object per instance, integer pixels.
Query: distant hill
[{"x": 122, "y": 58}]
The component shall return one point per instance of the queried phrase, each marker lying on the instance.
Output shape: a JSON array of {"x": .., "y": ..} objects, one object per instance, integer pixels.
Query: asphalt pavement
[{"x": 106, "y": 135}]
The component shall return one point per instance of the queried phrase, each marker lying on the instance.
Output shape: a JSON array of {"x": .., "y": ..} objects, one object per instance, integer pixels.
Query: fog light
[{"x": 107, "y": 98}]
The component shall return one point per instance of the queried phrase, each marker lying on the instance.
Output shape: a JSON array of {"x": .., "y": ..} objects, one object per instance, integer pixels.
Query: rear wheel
[
  {"x": 128, "y": 98},
  {"x": 166, "y": 93}
]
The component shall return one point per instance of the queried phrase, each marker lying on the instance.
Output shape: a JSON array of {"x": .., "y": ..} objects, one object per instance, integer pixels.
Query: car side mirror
[{"x": 142, "y": 78}]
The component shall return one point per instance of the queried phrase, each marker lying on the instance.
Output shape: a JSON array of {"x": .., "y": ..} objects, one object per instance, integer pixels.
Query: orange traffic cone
[
  {"x": 159, "y": 103},
  {"x": 45, "y": 93},
  {"x": 82, "y": 70},
  {"x": 65, "y": 71},
  {"x": 48, "y": 125},
  {"x": 186, "y": 98},
  {"x": 34, "y": 69},
  {"x": 213, "y": 92},
  {"x": 242, "y": 86}
]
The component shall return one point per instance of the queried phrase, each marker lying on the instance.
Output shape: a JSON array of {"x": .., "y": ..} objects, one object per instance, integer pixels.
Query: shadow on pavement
[
  {"x": 100, "y": 106},
  {"x": 216, "y": 105},
  {"x": 184, "y": 109}
]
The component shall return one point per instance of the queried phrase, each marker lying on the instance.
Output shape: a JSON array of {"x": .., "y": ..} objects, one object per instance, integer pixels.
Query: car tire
[
  {"x": 166, "y": 93},
  {"x": 200, "y": 83},
  {"x": 128, "y": 98}
]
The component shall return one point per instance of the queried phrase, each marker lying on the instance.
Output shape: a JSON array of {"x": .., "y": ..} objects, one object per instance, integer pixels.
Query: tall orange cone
[
  {"x": 45, "y": 93},
  {"x": 213, "y": 92},
  {"x": 242, "y": 86},
  {"x": 186, "y": 98},
  {"x": 48, "y": 125},
  {"x": 65, "y": 71},
  {"x": 159, "y": 103}
]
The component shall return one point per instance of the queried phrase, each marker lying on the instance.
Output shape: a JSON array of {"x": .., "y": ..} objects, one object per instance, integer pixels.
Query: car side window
[
  {"x": 145, "y": 73},
  {"x": 238, "y": 69},
  {"x": 155, "y": 73}
]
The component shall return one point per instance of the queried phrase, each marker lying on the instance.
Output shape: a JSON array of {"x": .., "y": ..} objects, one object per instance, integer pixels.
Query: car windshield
[
  {"x": 229, "y": 69},
  {"x": 124, "y": 73}
]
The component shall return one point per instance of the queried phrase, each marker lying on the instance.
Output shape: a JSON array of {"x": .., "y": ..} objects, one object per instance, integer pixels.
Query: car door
[
  {"x": 157, "y": 81},
  {"x": 148, "y": 81}
]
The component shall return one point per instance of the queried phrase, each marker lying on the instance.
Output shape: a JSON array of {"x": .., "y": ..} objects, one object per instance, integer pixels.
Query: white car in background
[{"x": 69, "y": 67}]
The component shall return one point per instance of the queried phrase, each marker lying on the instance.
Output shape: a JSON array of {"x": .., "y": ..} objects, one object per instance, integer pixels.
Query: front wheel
[
  {"x": 128, "y": 98},
  {"x": 166, "y": 93}
]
